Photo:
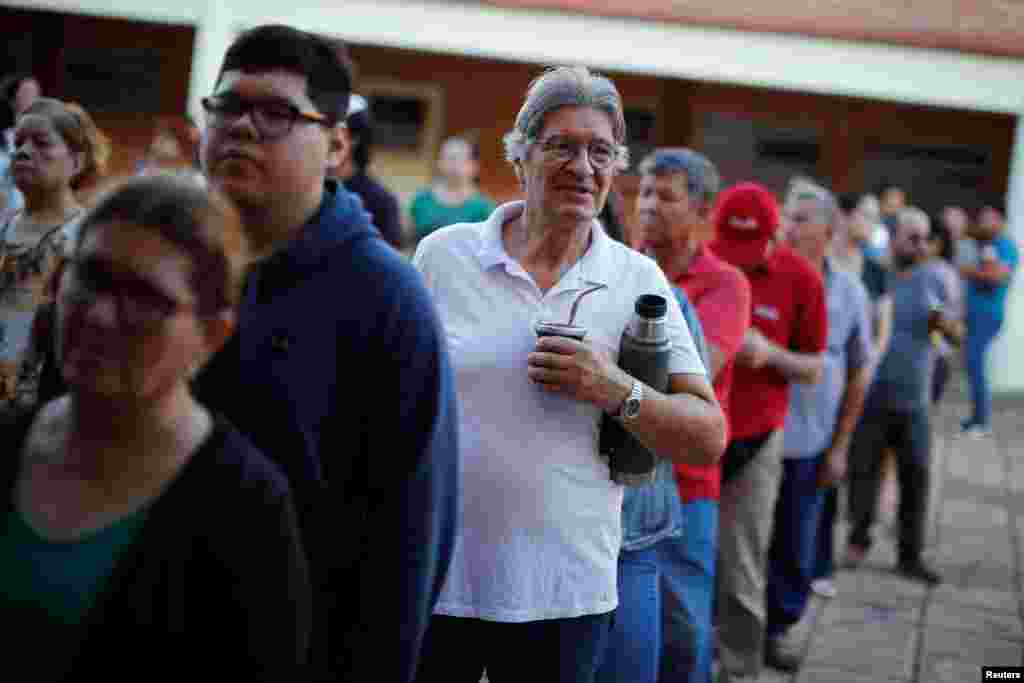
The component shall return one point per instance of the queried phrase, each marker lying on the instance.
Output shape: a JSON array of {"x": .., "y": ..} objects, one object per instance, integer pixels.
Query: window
[
  {"x": 19, "y": 53},
  {"x": 769, "y": 150},
  {"x": 640, "y": 133},
  {"x": 932, "y": 174},
  {"x": 116, "y": 80},
  {"x": 399, "y": 122},
  {"x": 407, "y": 119}
]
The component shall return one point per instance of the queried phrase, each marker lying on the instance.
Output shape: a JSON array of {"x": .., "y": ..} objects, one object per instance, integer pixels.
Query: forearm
[
  {"x": 717, "y": 360},
  {"x": 883, "y": 327},
  {"x": 803, "y": 368},
  {"x": 683, "y": 427},
  {"x": 992, "y": 275},
  {"x": 952, "y": 330},
  {"x": 851, "y": 407}
]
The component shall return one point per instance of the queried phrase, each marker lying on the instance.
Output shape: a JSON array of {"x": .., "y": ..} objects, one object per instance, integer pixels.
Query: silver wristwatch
[{"x": 631, "y": 406}]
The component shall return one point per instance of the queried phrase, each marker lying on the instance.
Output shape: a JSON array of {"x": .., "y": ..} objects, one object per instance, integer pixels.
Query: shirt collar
[
  {"x": 768, "y": 265},
  {"x": 702, "y": 261},
  {"x": 492, "y": 253},
  {"x": 828, "y": 271}
]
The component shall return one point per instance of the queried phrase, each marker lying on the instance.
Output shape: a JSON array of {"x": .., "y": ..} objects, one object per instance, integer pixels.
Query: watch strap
[{"x": 635, "y": 394}]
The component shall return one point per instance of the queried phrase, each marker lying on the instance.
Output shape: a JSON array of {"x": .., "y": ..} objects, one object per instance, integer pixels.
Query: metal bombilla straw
[
  {"x": 579, "y": 275},
  {"x": 579, "y": 297}
]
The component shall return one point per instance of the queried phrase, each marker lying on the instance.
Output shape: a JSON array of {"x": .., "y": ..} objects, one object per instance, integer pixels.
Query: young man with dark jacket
[{"x": 338, "y": 371}]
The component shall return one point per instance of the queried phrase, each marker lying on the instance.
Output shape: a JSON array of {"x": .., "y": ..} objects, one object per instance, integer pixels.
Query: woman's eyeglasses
[{"x": 140, "y": 306}]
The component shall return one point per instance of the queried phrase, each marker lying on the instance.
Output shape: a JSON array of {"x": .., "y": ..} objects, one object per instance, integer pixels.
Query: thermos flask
[{"x": 643, "y": 353}]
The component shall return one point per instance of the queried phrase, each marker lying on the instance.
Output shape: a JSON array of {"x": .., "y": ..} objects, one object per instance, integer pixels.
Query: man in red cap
[{"x": 785, "y": 343}]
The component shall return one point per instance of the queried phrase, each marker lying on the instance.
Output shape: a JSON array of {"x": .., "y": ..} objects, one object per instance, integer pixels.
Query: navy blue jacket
[{"x": 339, "y": 373}]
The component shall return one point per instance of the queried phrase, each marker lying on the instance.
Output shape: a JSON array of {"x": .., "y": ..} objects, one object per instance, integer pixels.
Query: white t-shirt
[{"x": 541, "y": 529}]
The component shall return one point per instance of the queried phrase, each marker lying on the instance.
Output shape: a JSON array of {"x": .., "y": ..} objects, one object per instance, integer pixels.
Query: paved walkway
[{"x": 881, "y": 628}]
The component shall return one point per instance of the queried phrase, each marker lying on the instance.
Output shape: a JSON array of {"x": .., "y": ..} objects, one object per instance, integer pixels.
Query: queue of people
[{"x": 212, "y": 453}]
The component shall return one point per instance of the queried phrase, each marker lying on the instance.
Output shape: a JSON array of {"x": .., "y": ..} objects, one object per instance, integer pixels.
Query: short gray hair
[
  {"x": 805, "y": 190},
  {"x": 566, "y": 86},
  {"x": 912, "y": 214},
  {"x": 702, "y": 179}
]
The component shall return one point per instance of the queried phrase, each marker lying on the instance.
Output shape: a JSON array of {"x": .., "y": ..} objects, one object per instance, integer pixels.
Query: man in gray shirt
[
  {"x": 896, "y": 413},
  {"x": 820, "y": 423}
]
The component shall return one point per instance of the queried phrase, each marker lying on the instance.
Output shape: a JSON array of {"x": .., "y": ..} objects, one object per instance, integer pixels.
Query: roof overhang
[{"x": 816, "y": 65}]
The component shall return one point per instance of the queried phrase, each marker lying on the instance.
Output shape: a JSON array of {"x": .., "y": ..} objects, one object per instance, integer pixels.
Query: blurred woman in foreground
[{"x": 135, "y": 521}]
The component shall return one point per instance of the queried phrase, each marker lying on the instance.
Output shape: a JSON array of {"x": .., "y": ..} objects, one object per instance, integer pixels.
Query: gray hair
[
  {"x": 912, "y": 214},
  {"x": 566, "y": 86},
  {"x": 806, "y": 190},
  {"x": 702, "y": 179}
]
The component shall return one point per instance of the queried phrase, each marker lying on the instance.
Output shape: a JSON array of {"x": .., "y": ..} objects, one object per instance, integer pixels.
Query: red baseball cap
[{"x": 746, "y": 219}]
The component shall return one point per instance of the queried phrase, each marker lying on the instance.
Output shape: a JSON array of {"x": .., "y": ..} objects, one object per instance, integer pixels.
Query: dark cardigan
[{"x": 215, "y": 581}]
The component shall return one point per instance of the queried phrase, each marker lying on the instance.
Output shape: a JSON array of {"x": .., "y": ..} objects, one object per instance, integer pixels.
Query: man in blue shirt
[
  {"x": 338, "y": 371},
  {"x": 897, "y": 409},
  {"x": 820, "y": 424},
  {"x": 988, "y": 281}
]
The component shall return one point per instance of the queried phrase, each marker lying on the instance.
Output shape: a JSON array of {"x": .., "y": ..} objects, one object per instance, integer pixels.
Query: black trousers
[
  {"x": 458, "y": 650},
  {"x": 908, "y": 434}
]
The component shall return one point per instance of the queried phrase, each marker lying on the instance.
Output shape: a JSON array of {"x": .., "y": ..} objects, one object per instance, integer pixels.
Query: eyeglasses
[
  {"x": 273, "y": 118},
  {"x": 141, "y": 307},
  {"x": 562, "y": 150}
]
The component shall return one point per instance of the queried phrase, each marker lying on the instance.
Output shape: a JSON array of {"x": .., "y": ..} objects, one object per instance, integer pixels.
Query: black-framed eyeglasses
[
  {"x": 562, "y": 150},
  {"x": 272, "y": 118},
  {"x": 141, "y": 307}
]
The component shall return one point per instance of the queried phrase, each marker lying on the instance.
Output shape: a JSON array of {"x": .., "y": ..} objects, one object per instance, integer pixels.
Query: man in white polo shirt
[{"x": 533, "y": 579}]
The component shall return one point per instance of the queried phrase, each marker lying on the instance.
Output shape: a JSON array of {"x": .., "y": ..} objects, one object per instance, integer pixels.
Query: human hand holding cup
[{"x": 551, "y": 328}]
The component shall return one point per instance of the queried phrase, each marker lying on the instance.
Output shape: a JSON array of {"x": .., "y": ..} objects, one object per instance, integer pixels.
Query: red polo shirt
[
  {"x": 788, "y": 308},
  {"x": 720, "y": 294}
]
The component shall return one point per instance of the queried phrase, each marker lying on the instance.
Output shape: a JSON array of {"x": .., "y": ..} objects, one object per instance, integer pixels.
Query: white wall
[{"x": 1006, "y": 367}]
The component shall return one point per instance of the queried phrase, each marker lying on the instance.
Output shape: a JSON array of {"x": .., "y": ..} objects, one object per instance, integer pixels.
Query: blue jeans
[
  {"x": 981, "y": 331},
  {"x": 824, "y": 563},
  {"x": 792, "y": 554},
  {"x": 688, "y": 591},
  {"x": 460, "y": 649},
  {"x": 634, "y": 645}
]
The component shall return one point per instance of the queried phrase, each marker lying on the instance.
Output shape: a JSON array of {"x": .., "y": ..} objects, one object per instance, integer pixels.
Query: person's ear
[
  {"x": 704, "y": 209},
  {"x": 518, "y": 167},
  {"x": 217, "y": 331},
  {"x": 77, "y": 164},
  {"x": 338, "y": 145}
]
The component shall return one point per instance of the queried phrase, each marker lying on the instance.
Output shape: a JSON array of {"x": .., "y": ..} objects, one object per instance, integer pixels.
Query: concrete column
[
  {"x": 1006, "y": 362},
  {"x": 215, "y": 30}
]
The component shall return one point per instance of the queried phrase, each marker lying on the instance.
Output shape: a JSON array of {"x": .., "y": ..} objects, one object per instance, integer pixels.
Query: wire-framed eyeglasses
[{"x": 560, "y": 149}]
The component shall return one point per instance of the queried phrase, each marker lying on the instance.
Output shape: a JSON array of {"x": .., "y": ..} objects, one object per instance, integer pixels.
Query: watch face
[{"x": 632, "y": 408}]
